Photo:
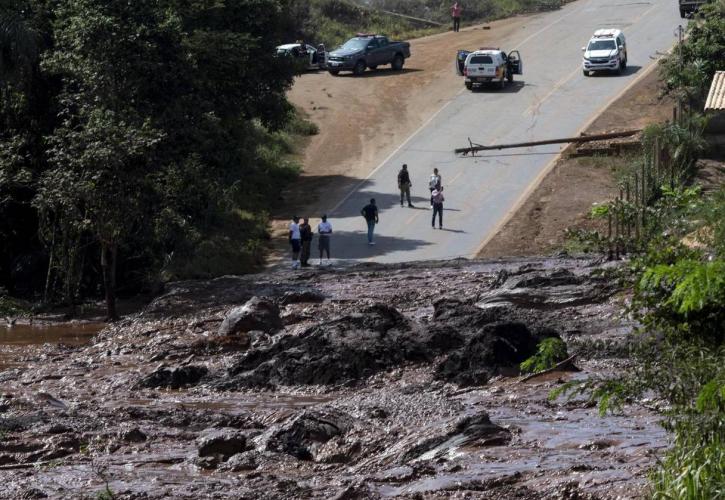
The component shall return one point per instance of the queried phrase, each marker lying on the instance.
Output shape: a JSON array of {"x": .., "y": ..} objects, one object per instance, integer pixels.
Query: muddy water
[
  {"x": 14, "y": 340},
  {"x": 64, "y": 333}
]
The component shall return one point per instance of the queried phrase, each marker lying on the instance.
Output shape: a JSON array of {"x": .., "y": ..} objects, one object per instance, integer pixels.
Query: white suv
[
  {"x": 488, "y": 65},
  {"x": 606, "y": 51}
]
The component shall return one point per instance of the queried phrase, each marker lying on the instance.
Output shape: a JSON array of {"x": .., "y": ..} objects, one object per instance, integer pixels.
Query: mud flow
[{"x": 362, "y": 382}]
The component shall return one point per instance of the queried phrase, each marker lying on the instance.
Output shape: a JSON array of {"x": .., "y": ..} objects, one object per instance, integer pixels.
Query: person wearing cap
[
  {"x": 295, "y": 241},
  {"x": 324, "y": 229},
  {"x": 404, "y": 185}
]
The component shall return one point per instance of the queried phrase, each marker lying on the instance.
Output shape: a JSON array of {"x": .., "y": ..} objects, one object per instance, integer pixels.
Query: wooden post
[
  {"x": 657, "y": 165},
  {"x": 609, "y": 231}
]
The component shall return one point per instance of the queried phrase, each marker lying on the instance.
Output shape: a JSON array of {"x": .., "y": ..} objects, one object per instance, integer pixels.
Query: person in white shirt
[
  {"x": 435, "y": 183},
  {"x": 324, "y": 228},
  {"x": 295, "y": 240}
]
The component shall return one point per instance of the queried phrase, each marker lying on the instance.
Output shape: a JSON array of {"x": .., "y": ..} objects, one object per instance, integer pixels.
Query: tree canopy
[{"x": 136, "y": 137}]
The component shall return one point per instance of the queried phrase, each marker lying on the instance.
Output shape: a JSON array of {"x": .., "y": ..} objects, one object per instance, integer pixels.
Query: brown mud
[{"x": 373, "y": 381}]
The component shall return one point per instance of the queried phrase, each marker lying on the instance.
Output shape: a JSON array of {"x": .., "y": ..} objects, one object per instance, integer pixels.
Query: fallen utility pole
[{"x": 474, "y": 148}]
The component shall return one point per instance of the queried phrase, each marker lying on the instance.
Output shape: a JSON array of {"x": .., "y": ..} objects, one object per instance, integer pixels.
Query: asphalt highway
[{"x": 551, "y": 99}]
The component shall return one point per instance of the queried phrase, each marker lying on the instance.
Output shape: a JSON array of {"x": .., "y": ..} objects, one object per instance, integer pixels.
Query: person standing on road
[
  {"x": 437, "y": 208},
  {"x": 435, "y": 182},
  {"x": 294, "y": 239},
  {"x": 324, "y": 229},
  {"x": 404, "y": 185},
  {"x": 456, "y": 15},
  {"x": 370, "y": 212},
  {"x": 306, "y": 238}
]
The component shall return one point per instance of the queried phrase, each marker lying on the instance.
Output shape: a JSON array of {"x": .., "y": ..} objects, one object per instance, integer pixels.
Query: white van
[{"x": 606, "y": 51}]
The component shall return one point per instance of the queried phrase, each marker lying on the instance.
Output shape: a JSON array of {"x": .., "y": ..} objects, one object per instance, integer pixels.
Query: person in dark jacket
[
  {"x": 404, "y": 185},
  {"x": 370, "y": 212},
  {"x": 306, "y": 237}
]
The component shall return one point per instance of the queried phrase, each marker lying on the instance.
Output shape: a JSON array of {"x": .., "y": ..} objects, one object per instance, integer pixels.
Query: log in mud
[{"x": 370, "y": 381}]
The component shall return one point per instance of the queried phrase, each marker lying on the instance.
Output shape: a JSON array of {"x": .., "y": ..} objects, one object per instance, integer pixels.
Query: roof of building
[{"x": 716, "y": 96}]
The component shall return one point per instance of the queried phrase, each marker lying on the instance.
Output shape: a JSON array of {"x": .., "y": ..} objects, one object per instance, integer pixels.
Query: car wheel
[
  {"x": 359, "y": 68},
  {"x": 683, "y": 13},
  {"x": 397, "y": 63},
  {"x": 469, "y": 85},
  {"x": 373, "y": 66},
  {"x": 585, "y": 72},
  {"x": 624, "y": 64},
  {"x": 334, "y": 72}
]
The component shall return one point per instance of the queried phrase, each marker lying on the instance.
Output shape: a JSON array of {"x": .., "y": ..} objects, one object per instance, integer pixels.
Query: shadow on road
[
  {"x": 383, "y": 201},
  {"x": 630, "y": 70},
  {"x": 510, "y": 88},
  {"x": 354, "y": 244},
  {"x": 372, "y": 73}
]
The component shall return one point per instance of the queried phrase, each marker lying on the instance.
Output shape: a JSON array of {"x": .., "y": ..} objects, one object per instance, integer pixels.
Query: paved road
[{"x": 551, "y": 99}]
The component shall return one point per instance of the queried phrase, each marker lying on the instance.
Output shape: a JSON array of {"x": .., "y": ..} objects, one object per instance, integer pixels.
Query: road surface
[{"x": 551, "y": 99}]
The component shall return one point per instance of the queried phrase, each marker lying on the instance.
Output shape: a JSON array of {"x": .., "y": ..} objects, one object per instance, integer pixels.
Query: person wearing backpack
[
  {"x": 438, "y": 207},
  {"x": 435, "y": 183},
  {"x": 404, "y": 185}
]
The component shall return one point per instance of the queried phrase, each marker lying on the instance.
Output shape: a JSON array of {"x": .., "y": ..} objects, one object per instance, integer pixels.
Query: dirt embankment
[{"x": 366, "y": 382}]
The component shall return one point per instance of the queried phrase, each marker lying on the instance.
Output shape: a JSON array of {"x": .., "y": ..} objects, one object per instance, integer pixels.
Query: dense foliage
[
  {"x": 678, "y": 275},
  {"x": 138, "y": 140},
  {"x": 333, "y": 21}
]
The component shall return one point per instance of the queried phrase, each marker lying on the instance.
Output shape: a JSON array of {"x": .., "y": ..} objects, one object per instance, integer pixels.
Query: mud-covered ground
[{"x": 364, "y": 382}]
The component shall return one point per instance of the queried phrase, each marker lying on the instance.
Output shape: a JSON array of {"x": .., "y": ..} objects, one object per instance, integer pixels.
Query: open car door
[
  {"x": 517, "y": 65},
  {"x": 461, "y": 61}
]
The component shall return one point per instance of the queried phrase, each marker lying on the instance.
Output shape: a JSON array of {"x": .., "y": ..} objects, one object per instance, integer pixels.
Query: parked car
[
  {"x": 367, "y": 51},
  {"x": 488, "y": 65},
  {"x": 606, "y": 51},
  {"x": 313, "y": 58},
  {"x": 689, "y": 7}
]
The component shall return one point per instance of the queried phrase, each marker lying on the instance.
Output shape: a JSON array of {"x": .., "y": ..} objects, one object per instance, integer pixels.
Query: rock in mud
[
  {"x": 474, "y": 430},
  {"x": 221, "y": 444},
  {"x": 301, "y": 297},
  {"x": 134, "y": 435},
  {"x": 303, "y": 435},
  {"x": 352, "y": 347},
  {"x": 496, "y": 346},
  {"x": 174, "y": 378},
  {"x": 545, "y": 290},
  {"x": 245, "y": 461},
  {"x": 256, "y": 314}
]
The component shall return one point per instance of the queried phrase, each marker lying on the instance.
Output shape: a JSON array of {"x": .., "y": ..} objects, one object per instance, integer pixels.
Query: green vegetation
[
  {"x": 140, "y": 141},
  {"x": 677, "y": 237},
  {"x": 333, "y": 21},
  {"x": 550, "y": 351}
]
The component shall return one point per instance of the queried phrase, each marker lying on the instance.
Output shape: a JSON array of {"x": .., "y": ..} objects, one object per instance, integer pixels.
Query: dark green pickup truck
[{"x": 367, "y": 51}]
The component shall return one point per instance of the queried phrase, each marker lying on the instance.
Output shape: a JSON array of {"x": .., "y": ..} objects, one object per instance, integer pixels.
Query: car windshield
[
  {"x": 602, "y": 45},
  {"x": 355, "y": 44},
  {"x": 480, "y": 60}
]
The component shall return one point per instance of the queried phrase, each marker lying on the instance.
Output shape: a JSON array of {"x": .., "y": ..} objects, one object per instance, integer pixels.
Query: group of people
[
  {"x": 435, "y": 184},
  {"x": 301, "y": 236}
]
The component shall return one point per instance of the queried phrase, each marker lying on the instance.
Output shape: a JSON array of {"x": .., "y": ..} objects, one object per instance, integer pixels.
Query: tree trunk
[{"x": 108, "y": 265}]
